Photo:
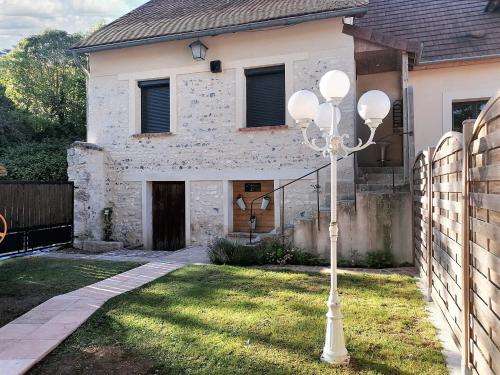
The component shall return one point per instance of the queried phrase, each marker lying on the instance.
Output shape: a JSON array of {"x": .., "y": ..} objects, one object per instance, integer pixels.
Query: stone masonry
[{"x": 205, "y": 149}]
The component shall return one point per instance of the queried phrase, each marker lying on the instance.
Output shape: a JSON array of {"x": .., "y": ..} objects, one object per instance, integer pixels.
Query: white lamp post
[{"x": 304, "y": 107}]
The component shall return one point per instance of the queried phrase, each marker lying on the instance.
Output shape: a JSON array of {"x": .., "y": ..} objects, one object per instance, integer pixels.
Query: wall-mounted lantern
[
  {"x": 252, "y": 222},
  {"x": 241, "y": 203},
  {"x": 265, "y": 202},
  {"x": 199, "y": 50}
]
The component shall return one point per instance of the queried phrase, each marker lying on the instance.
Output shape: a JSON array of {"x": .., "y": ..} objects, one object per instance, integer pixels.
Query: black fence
[{"x": 38, "y": 215}]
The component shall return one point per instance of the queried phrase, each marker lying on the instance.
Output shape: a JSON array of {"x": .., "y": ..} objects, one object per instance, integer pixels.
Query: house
[{"x": 187, "y": 113}]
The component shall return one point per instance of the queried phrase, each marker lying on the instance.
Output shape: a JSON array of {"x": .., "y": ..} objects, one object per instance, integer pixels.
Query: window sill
[
  {"x": 151, "y": 135},
  {"x": 263, "y": 128}
]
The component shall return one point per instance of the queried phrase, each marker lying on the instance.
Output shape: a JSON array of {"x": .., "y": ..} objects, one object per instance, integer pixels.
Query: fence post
[
  {"x": 430, "y": 153},
  {"x": 468, "y": 126}
]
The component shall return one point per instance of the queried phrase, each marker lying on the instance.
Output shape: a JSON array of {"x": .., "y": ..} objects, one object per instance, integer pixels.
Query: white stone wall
[
  {"x": 206, "y": 148},
  {"x": 87, "y": 169},
  {"x": 207, "y": 205}
]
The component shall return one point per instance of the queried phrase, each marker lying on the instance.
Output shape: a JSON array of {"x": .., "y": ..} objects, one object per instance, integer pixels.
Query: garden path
[{"x": 29, "y": 338}]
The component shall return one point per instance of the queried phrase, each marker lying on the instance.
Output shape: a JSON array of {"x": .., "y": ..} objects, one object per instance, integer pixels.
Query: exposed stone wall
[
  {"x": 126, "y": 201},
  {"x": 207, "y": 146},
  {"x": 87, "y": 169},
  {"x": 207, "y": 215}
]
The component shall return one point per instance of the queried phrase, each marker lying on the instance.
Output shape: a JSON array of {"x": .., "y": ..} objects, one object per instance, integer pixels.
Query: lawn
[
  {"x": 27, "y": 282},
  {"x": 233, "y": 320}
]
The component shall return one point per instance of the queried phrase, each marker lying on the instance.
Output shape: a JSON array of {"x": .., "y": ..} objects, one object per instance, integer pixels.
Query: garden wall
[{"x": 456, "y": 234}]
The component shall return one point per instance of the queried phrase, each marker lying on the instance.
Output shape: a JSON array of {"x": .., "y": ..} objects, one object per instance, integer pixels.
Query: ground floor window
[{"x": 466, "y": 110}]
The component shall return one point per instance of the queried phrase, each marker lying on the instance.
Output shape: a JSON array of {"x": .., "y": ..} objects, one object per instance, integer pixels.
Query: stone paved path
[
  {"x": 29, "y": 338},
  {"x": 189, "y": 255}
]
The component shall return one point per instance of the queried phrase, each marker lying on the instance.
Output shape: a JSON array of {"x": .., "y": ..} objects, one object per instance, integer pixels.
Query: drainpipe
[{"x": 404, "y": 85}]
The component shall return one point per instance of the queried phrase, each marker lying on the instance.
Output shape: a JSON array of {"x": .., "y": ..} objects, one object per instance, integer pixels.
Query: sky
[{"x": 21, "y": 18}]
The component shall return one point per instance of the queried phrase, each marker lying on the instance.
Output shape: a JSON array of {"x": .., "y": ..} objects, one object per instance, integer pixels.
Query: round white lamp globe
[
  {"x": 373, "y": 107},
  {"x": 302, "y": 106},
  {"x": 334, "y": 85},
  {"x": 323, "y": 117}
]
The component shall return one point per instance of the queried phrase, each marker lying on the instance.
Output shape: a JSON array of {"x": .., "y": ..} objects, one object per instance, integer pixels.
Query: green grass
[
  {"x": 232, "y": 320},
  {"x": 27, "y": 282}
]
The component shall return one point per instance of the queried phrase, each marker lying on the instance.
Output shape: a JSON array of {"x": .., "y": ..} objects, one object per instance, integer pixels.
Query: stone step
[
  {"x": 381, "y": 188},
  {"x": 386, "y": 170},
  {"x": 243, "y": 237},
  {"x": 382, "y": 178}
]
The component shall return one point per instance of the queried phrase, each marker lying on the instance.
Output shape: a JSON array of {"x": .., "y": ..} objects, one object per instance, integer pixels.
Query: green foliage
[
  {"x": 269, "y": 251},
  {"x": 35, "y": 161},
  {"x": 42, "y": 106},
  {"x": 222, "y": 251},
  {"x": 379, "y": 259},
  {"x": 41, "y": 78},
  {"x": 372, "y": 259}
]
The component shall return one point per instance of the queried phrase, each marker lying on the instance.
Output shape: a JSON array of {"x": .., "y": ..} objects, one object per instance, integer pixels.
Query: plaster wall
[
  {"x": 374, "y": 222},
  {"x": 436, "y": 89},
  {"x": 390, "y": 83}
]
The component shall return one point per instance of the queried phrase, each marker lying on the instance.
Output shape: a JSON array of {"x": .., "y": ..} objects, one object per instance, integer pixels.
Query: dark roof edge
[
  {"x": 224, "y": 30},
  {"x": 458, "y": 59},
  {"x": 492, "y": 6},
  {"x": 383, "y": 39}
]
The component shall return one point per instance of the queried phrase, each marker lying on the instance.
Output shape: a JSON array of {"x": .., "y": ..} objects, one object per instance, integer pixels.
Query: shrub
[
  {"x": 279, "y": 252},
  {"x": 269, "y": 251},
  {"x": 222, "y": 251},
  {"x": 379, "y": 259}
]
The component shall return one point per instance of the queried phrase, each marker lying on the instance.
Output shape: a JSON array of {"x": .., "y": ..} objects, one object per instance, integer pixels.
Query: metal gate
[{"x": 38, "y": 215}]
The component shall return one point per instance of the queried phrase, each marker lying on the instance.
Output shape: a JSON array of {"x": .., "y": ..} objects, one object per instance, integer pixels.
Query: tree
[{"x": 41, "y": 78}]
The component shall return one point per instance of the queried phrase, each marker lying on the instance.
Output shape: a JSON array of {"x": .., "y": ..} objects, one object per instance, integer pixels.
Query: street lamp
[{"x": 304, "y": 108}]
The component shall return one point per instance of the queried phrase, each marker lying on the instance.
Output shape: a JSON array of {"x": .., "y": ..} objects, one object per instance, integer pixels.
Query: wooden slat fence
[
  {"x": 421, "y": 214},
  {"x": 37, "y": 214},
  {"x": 446, "y": 256},
  {"x": 460, "y": 178},
  {"x": 484, "y": 232}
]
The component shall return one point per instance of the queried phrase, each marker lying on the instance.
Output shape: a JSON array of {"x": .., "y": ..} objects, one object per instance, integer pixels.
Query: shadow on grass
[{"x": 236, "y": 320}]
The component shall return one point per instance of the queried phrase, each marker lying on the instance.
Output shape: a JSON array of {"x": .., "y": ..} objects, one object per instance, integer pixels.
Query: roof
[
  {"x": 162, "y": 20},
  {"x": 447, "y": 29}
]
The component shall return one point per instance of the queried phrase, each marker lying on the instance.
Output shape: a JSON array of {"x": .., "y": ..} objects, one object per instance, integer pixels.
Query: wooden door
[
  {"x": 250, "y": 190},
  {"x": 169, "y": 215}
]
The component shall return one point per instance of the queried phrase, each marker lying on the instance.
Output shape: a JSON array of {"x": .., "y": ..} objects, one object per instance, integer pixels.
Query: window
[
  {"x": 466, "y": 110},
  {"x": 155, "y": 106},
  {"x": 265, "y": 96}
]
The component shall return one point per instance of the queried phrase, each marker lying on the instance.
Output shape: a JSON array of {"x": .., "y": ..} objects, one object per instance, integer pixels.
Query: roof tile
[
  {"x": 444, "y": 27},
  {"x": 162, "y": 18}
]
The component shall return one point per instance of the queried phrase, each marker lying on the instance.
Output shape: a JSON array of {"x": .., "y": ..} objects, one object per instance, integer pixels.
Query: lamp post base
[
  {"x": 336, "y": 360},
  {"x": 334, "y": 351}
]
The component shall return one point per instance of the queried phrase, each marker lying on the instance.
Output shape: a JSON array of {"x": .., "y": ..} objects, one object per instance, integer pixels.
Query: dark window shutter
[
  {"x": 265, "y": 96},
  {"x": 155, "y": 106}
]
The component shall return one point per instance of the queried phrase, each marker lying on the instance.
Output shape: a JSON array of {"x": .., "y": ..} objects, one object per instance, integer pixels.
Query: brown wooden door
[
  {"x": 250, "y": 190},
  {"x": 169, "y": 215}
]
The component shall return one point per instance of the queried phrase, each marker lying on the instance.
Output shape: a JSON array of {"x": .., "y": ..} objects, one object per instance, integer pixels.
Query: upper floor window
[
  {"x": 464, "y": 111},
  {"x": 265, "y": 99},
  {"x": 155, "y": 106}
]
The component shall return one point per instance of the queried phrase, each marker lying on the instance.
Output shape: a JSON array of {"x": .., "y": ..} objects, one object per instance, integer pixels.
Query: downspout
[
  {"x": 406, "y": 145},
  {"x": 79, "y": 65},
  {"x": 87, "y": 79}
]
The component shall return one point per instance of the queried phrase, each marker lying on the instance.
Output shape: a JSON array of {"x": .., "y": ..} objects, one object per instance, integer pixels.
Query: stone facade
[
  {"x": 208, "y": 146},
  {"x": 207, "y": 205}
]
